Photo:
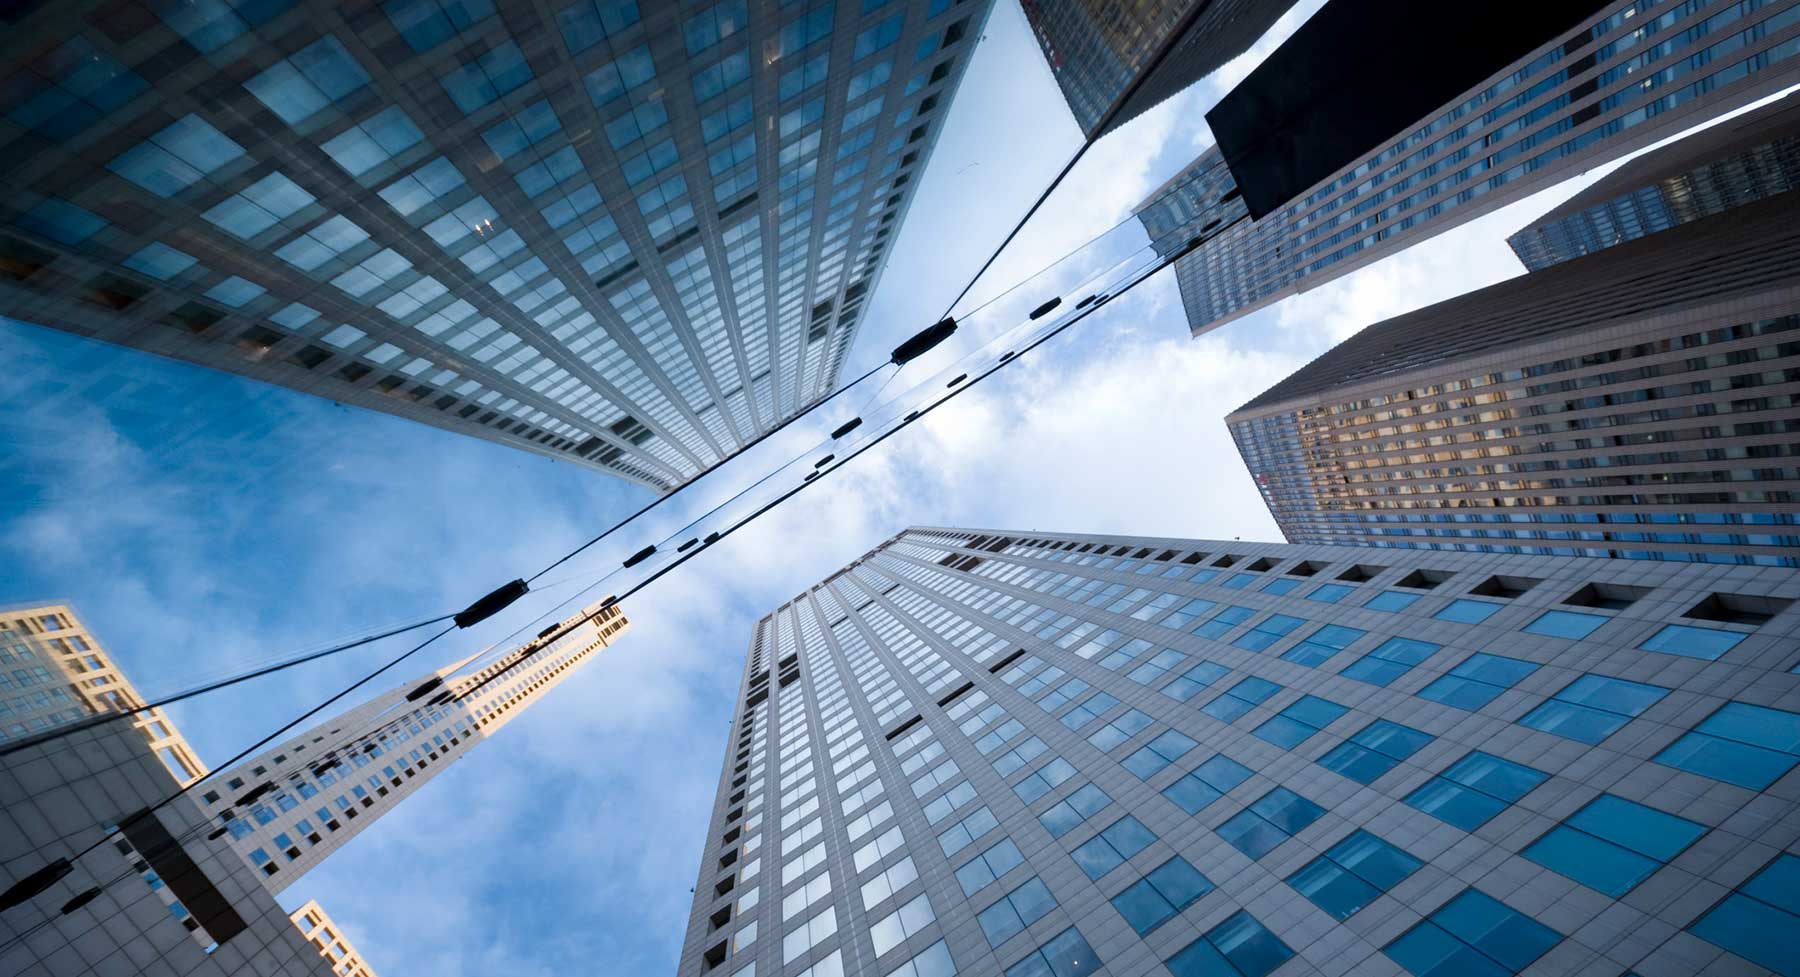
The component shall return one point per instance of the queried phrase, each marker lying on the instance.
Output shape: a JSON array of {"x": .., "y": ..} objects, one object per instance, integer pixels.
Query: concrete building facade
[
  {"x": 628, "y": 235},
  {"x": 982, "y": 752},
  {"x": 318, "y": 926}
]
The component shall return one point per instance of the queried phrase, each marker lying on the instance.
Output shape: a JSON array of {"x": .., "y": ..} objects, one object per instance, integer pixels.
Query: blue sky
[{"x": 201, "y": 523}]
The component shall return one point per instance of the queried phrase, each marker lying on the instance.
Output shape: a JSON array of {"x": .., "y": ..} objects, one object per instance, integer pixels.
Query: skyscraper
[
  {"x": 633, "y": 236},
  {"x": 1096, "y": 48},
  {"x": 1736, "y": 162},
  {"x": 980, "y": 753},
  {"x": 1633, "y": 403},
  {"x": 54, "y": 672},
  {"x": 1636, "y": 72},
  {"x": 313, "y": 793},
  {"x": 318, "y": 926}
]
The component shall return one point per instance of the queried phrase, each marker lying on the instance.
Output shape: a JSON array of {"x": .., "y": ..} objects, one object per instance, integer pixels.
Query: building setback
[
  {"x": 54, "y": 672},
  {"x": 629, "y": 235},
  {"x": 325, "y": 785},
  {"x": 1636, "y": 72},
  {"x": 1095, "y": 49},
  {"x": 1736, "y": 162},
  {"x": 317, "y": 925},
  {"x": 1637, "y": 402},
  {"x": 977, "y": 752}
]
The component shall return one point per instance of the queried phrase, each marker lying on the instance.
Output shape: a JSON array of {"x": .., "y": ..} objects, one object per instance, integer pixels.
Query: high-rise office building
[
  {"x": 317, "y": 925},
  {"x": 173, "y": 899},
  {"x": 1634, "y": 402},
  {"x": 1096, "y": 48},
  {"x": 629, "y": 235},
  {"x": 54, "y": 672},
  {"x": 1736, "y": 162},
  {"x": 1634, "y": 73},
  {"x": 310, "y": 795},
  {"x": 982, "y": 753}
]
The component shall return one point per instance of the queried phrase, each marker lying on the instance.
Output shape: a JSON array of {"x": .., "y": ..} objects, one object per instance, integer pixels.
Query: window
[
  {"x": 491, "y": 75},
  {"x": 896, "y": 927},
  {"x": 1163, "y": 891},
  {"x": 1158, "y": 753},
  {"x": 1474, "y": 789},
  {"x": 1069, "y": 813},
  {"x": 308, "y": 80},
  {"x": 1280, "y": 585},
  {"x": 1164, "y": 661},
  {"x": 1271, "y": 820},
  {"x": 427, "y": 23},
  {"x": 160, "y": 261},
  {"x": 810, "y": 934},
  {"x": 1240, "y": 699},
  {"x": 1593, "y": 707},
  {"x": 1751, "y": 746},
  {"x": 1113, "y": 846},
  {"x": 588, "y": 22},
  {"x": 1015, "y": 911},
  {"x": 1064, "y": 955},
  {"x": 1331, "y": 593},
  {"x": 1194, "y": 681},
  {"x": 1299, "y": 721},
  {"x": 177, "y": 157},
  {"x": 1691, "y": 642},
  {"x": 1206, "y": 783},
  {"x": 1566, "y": 624},
  {"x": 709, "y": 26},
  {"x": 522, "y": 129},
  {"x": 1477, "y": 681},
  {"x": 1472, "y": 935},
  {"x": 373, "y": 141},
  {"x": 260, "y": 206},
  {"x": 990, "y": 865},
  {"x": 1759, "y": 920},
  {"x": 1392, "y": 601},
  {"x": 1317, "y": 648},
  {"x": 1131, "y": 723},
  {"x": 965, "y": 832},
  {"x": 799, "y": 900},
  {"x": 1045, "y": 779},
  {"x": 878, "y": 37},
  {"x": 878, "y": 889},
  {"x": 1191, "y": 611},
  {"x": 1267, "y": 632},
  {"x": 1238, "y": 947},
  {"x": 1466, "y": 611},
  {"x": 1224, "y": 621},
  {"x": 1352, "y": 873},
  {"x": 1612, "y": 844},
  {"x": 1390, "y": 660},
  {"x": 1374, "y": 750},
  {"x": 933, "y": 961}
]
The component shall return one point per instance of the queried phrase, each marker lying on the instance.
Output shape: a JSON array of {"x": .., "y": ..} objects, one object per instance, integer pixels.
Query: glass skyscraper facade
[
  {"x": 1636, "y": 402},
  {"x": 629, "y": 235},
  {"x": 1733, "y": 163},
  {"x": 1634, "y": 73},
  {"x": 979, "y": 752}
]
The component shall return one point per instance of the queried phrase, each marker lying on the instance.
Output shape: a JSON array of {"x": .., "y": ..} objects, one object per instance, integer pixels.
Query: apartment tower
[
  {"x": 318, "y": 926},
  {"x": 984, "y": 752}
]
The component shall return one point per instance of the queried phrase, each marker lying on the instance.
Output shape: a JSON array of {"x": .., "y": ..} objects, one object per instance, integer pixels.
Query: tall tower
[
  {"x": 1632, "y": 74},
  {"x": 1631, "y": 402},
  {"x": 309, "y": 796},
  {"x": 317, "y": 926},
  {"x": 979, "y": 752},
  {"x": 629, "y": 235},
  {"x": 54, "y": 672}
]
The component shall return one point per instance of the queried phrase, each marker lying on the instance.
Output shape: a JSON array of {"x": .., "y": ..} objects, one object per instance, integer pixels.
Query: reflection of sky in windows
[
  {"x": 310, "y": 79},
  {"x": 235, "y": 291},
  {"x": 502, "y": 69},
  {"x": 158, "y": 260},
  {"x": 588, "y": 22},
  {"x": 524, "y": 128},
  {"x": 61, "y": 221},
  {"x": 427, "y": 23},
  {"x": 177, "y": 157},
  {"x": 259, "y": 206},
  {"x": 422, "y": 186},
  {"x": 210, "y": 26},
  {"x": 373, "y": 141},
  {"x": 330, "y": 238}
]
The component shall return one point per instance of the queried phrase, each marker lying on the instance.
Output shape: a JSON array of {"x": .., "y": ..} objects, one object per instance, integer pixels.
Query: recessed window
[
  {"x": 1503, "y": 587},
  {"x": 1613, "y": 844},
  {"x": 1424, "y": 579},
  {"x": 1353, "y": 873},
  {"x": 1472, "y": 934},
  {"x": 1374, "y": 750},
  {"x": 1737, "y": 609},
  {"x": 1607, "y": 596},
  {"x": 1593, "y": 707}
]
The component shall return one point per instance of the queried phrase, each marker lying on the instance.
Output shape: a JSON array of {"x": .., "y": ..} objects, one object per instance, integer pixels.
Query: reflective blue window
[
  {"x": 1194, "y": 681},
  {"x": 982, "y": 870},
  {"x": 1692, "y": 642},
  {"x": 177, "y": 157},
  {"x": 1238, "y": 947},
  {"x": 158, "y": 260},
  {"x": 708, "y": 27},
  {"x": 209, "y": 26},
  {"x": 67, "y": 89},
  {"x": 1751, "y": 746},
  {"x": 1472, "y": 935},
  {"x": 1206, "y": 783},
  {"x": 1465, "y": 611},
  {"x": 1158, "y": 753},
  {"x": 588, "y": 22},
  {"x": 502, "y": 69},
  {"x": 1477, "y": 681},
  {"x": 1267, "y": 632},
  {"x": 1317, "y": 648},
  {"x": 1391, "y": 601},
  {"x": 260, "y": 206},
  {"x": 1352, "y": 873},
  {"x": 965, "y": 832},
  {"x": 427, "y": 23},
  {"x": 1191, "y": 611},
  {"x": 1224, "y": 621},
  {"x": 1113, "y": 846},
  {"x": 1238, "y": 581},
  {"x": 1271, "y": 820},
  {"x": 1044, "y": 780},
  {"x": 1240, "y": 699},
  {"x": 524, "y": 128},
  {"x": 1119, "y": 730},
  {"x": 1069, "y": 813},
  {"x": 720, "y": 76},
  {"x": 1015, "y": 911},
  {"x": 311, "y": 78},
  {"x": 373, "y": 141},
  {"x": 1161, "y": 664},
  {"x": 1089, "y": 710},
  {"x": 878, "y": 37},
  {"x": 1474, "y": 789},
  {"x": 1280, "y": 585},
  {"x": 1759, "y": 920},
  {"x": 235, "y": 291},
  {"x": 61, "y": 221},
  {"x": 1330, "y": 593},
  {"x": 1163, "y": 891},
  {"x": 1612, "y": 844},
  {"x": 1374, "y": 750},
  {"x": 1390, "y": 660},
  {"x": 1566, "y": 624},
  {"x": 1064, "y": 955},
  {"x": 430, "y": 182},
  {"x": 805, "y": 30},
  {"x": 1593, "y": 707},
  {"x": 1203, "y": 575},
  {"x": 1299, "y": 721}
]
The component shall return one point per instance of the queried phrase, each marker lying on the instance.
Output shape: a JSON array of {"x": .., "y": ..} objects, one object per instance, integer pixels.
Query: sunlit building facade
[
  {"x": 980, "y": 752},
  {"x": 311, "y": 794},
  {"x": 628, "y": 235},
  {"x": 1636, "y": 402},
  {"x": 1636, "y": 72},
  {"x": 54, "y": 672},
  {"x": 318, "y": 927}
]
